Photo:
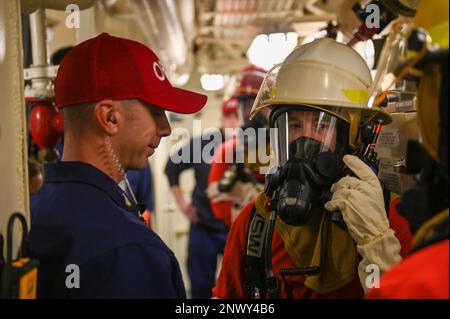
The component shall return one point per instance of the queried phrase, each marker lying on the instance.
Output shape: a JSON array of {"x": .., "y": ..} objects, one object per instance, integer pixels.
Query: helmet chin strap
[{"x": 120, "y": 170}]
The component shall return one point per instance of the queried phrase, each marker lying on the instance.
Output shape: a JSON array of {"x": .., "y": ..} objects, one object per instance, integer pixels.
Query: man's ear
[{"x": 107, "y": 115}]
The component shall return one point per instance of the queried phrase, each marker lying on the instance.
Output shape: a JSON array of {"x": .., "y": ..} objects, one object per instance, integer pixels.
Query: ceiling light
[
  {"x": 212, "y": 82},
  {"x": 268, "y": 50}
]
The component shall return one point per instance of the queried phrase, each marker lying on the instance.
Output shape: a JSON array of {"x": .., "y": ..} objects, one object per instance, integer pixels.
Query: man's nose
[{"x": 163, "y": 126}]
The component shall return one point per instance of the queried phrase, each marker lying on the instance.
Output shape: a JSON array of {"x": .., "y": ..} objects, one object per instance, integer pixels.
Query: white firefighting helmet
[{"x": 324, "y": 75}]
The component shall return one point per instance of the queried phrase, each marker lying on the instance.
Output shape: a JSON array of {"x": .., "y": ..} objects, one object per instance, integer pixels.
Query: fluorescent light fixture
[
  {"x": 268, "y": 50},
  {"x": 212, "y": 82},
  {"x": 182, "y": 79}
]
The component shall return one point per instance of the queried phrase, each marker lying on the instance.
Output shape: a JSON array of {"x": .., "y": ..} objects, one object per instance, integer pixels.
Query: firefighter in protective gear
[
  {"x": 424, "y": 272},
  {"x": 234, "y": 180},
  {"x": 285, "y": 243}
]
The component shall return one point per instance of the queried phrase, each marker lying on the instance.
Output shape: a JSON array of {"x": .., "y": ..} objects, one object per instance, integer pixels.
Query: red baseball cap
[
  {"x": 230, "y": 106},
  {"x": 108, "y": 67}
]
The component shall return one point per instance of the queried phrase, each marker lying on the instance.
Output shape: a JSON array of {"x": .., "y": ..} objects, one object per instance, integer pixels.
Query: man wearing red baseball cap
[{"x": 85, "y": 230}]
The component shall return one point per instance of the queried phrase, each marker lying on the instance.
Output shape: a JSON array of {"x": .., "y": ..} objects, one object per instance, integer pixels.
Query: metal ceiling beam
[
  {"x": 263, "y": 14},
  {"x": 299, "y": 19}
]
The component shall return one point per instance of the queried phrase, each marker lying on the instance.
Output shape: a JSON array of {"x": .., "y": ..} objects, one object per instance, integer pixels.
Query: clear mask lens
[{"x": 305, "y": 133}]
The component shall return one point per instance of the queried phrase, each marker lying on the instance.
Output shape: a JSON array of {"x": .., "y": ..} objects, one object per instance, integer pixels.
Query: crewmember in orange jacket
[{"x": 321, "y": 221}]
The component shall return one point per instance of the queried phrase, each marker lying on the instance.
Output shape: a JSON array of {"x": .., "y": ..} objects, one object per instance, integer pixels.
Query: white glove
[{"x": 360, "y": 200}]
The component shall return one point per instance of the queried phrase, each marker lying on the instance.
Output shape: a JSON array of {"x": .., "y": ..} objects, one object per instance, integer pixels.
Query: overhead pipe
[
  {"x": 40, "y": 72},
  {"x": 39, "y": 49},
  {"x": 29, "y": 6},
  {"x": 161, "y": 23},
  {"x": 13, "y": 142}
]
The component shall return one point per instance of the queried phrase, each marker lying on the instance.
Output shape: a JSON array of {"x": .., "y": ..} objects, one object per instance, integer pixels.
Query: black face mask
[
  {"x": 305, "y": 180},
  {"x": 322, "y": 166}
]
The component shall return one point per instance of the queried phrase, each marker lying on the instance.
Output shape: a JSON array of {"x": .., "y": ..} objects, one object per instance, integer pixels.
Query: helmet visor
[{"x": 303, "y": 133}]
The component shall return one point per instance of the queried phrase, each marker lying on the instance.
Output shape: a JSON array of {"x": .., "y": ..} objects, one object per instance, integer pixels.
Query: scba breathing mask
[{"x": 309, "y": 146}]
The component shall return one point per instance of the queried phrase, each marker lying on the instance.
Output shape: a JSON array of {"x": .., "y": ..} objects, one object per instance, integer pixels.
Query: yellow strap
[{"x": 428, "y": 227}]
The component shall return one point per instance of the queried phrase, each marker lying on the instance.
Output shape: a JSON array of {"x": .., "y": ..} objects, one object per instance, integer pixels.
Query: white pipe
[
  {"x": 13, "y": 142},
  {"x": 38, "y": 37},
  {"x": 29, "y": 6},
  {"x": 39, "y": 49}
]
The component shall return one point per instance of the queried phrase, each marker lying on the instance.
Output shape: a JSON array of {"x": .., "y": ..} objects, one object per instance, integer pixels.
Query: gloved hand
[{"x": 360, "y": 200}]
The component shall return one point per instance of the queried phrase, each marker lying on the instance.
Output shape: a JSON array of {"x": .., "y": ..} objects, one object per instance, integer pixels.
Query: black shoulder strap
[
  {"x": 254, "y": 276},
  {"x": 387, "y": 199}
]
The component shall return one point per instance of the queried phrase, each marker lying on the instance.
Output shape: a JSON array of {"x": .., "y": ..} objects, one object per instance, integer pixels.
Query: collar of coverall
[{"x": 84, "y": 173}]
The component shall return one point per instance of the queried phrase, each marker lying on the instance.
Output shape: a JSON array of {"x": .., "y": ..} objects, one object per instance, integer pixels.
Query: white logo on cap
[{"x": 157, "y": 69}]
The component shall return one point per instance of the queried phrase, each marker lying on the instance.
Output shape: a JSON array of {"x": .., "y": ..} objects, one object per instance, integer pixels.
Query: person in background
[
  {"x": 232, "y": 184},
  {"x": 207, "y": 234},
  {"x": 141, "y": 183}
]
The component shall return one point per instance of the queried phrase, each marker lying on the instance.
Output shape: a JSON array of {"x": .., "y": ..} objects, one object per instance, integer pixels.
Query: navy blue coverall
[{"x": 81, "y": 217}]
